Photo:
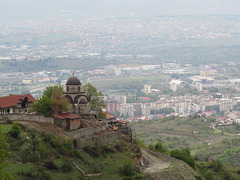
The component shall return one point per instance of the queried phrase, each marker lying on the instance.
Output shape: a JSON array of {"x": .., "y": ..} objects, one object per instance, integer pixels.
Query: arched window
[
  {"x": 67, "y": 88},
  {"x": 78, "y": 88}
]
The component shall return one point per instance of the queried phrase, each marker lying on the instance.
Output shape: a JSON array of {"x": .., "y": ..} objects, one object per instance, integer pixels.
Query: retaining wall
[
  {"x": 87, "y": 131},
  {"x": 27, "y": 117},
  {"x": 97, "y": 140},
  {"x": 104, "y": 138}
]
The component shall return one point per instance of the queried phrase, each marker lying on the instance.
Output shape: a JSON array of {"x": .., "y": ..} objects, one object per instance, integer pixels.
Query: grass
[
  {"x": 5, "y": 128},
  {"x": 13, "y": 169},
  {"x": 108, "y": 160},
  {"x": 58, "y": 174}
]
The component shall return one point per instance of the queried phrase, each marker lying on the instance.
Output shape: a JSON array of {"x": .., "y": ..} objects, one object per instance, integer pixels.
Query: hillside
[
  {"x": 39, "y": 155},
  {"x": 161, "y": 166},
  {"x": 209, "y": 147}
]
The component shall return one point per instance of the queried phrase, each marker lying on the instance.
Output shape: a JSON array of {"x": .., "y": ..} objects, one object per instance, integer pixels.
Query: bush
[
  {"x": 67, "y": 166},
  {"x": 127, "y": 169},
  {"x": 45, "y": 150},
  {"x": 63, "y": 144},
  {"x": 51, "y": 165},
  {"x": 158, "y": 147},
  {"x": 107, "y": 149},
  {"x": 216, "y": 165},
  {"x": 92, "y": 151},
  {"x": 78, "y": 154},
  {"x": 15, "y": 130},
  {"x": 118, "y": 148},
  {"x": 35, "y": 173},
  {"x": 209, "y": 176},
  {"x": 184, "y": 155},
  {"x": 9, "y": 121}
]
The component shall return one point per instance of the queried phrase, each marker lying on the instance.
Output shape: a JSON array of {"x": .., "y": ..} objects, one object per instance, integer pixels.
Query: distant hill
[{"x": 27, "y": 8}]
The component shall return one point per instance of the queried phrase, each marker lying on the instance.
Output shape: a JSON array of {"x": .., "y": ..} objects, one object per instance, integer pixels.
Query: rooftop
[{"x": 13, "y": 100}]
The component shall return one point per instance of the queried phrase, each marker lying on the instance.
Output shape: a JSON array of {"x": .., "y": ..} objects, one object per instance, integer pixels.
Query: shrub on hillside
[
  {"x": 107, "y": 149},
  {"x": 158, "y": 147},
  {"x": 51, "y": 165},
  {"x": 127, "y": 169},
  {"x": 45, "y": 150},
  {"x": 184, "y": 155},
  {"x": 15, "y": 130},
  {"x": 9, "y": 121},
  {"x": 67, "y": 166},
  {"x": 35, "y": 173},
  {"x": 94, "y": 151},
  {"x": 63, "y": 144},
  {"x": 216, "y": 165}
]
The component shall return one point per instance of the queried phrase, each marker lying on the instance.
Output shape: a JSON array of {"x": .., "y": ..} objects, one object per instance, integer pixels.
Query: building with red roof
[
  {"x": 67, "y": 120},
  {"x": 16, "y": 104},
  {"x": 110, "y": 116}
]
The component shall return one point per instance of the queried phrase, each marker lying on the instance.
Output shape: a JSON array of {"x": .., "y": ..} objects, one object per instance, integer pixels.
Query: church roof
[
  {"x": 73, "y": 81},
  {"x": 13, "y": 100}
]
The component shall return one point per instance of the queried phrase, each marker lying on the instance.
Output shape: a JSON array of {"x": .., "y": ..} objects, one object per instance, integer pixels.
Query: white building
[
  {"x": 175, "y": 84},
  {"x": 120, "y": 98},
  {"x": 147, "y": 89}
]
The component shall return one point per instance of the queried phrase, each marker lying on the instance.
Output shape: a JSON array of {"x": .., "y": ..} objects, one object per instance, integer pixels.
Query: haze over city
[{"x": 22, "y": 9}]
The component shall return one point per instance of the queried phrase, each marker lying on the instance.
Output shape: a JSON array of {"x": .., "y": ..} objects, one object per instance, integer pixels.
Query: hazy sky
[{"x": 20, "y": 8}]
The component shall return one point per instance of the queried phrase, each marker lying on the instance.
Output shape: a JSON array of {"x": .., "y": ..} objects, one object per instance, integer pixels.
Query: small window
[
  {"x": 78, "y": 88},
  {"x": 67, "y": 88}
]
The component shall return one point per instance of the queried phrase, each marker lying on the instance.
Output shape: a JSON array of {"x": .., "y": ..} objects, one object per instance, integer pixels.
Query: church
[{"x": 79, "y": 100}]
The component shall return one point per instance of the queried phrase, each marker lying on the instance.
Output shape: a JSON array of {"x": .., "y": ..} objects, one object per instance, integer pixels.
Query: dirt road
[{"x": 152, "y": 163}]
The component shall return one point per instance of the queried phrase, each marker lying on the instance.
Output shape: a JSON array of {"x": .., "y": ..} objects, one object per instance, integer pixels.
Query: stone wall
[
  {"x": 103, "y": 138},
  {"x": 87, "y": 131},
  {"x": 27, "y": 117},
  {"x": 97, "y": 140}
]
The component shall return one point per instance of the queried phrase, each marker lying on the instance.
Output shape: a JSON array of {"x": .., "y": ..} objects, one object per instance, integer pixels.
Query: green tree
[
  {"x": 158, "y": 146},
  {"x": 184, "y": 155},
  {"x": 15, "y": 130},
  {"x": 3, "y": 156},
  {"x": 97, "y": 101},
  {"x": 50, "y": 90},
  {"x": 30, "y": 150},
  {"x": 52, "y": 101},
  {"x": 42, "y": 105},
  {"x": 58, "y": 101}
]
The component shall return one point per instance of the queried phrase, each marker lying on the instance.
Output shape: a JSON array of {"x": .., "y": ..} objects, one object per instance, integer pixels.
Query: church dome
[{"x": 73, "y": 81}]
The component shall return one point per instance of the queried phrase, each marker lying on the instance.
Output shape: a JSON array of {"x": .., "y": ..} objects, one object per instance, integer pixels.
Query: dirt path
[{"x": 152, "y": 163}]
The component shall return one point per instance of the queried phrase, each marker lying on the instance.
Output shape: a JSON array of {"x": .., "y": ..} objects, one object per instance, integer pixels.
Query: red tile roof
[
  {"x": 223, "y": 118},
  {"x": 13, "y": 100},
  {"x": 109, "y": 116},
  {"x": 122, "y": 122},
  {"x": 144, "y": 98},
  {"x": 66, "y": 116}
]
